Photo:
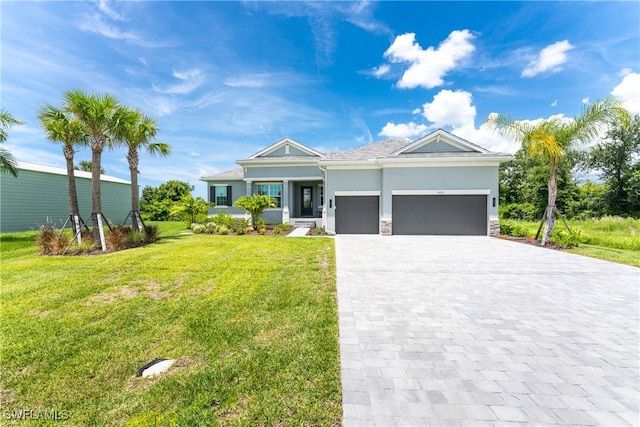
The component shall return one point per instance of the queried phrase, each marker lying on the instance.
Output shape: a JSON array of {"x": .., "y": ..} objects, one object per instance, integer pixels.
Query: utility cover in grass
[{"x": 155, "y": 367}]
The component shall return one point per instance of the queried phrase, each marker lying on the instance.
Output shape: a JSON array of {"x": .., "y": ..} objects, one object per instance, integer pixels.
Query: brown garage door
[
  {"x": 440, "y": 215},
  {"x": 357, "y": 214}
]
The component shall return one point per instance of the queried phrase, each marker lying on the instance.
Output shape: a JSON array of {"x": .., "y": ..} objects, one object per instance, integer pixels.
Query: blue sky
[{"x": 226, "y": 79}]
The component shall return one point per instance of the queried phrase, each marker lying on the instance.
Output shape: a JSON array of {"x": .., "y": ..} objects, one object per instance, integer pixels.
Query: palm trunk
[
  {"x": 551, "y": 204},
  {"x": 135, "y": 196},
  {"x": 71, "y": 179},
  {"x": 95, "y": 189}
]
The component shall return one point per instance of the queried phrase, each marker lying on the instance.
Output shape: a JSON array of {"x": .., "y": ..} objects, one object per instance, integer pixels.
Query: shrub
[
  {"x": 262, "y": 230},
  {"x": 223, "y": 229},
  {"x": 116, "y": 239},
  {"x": 134, "y": 238},
  {"x": 255, "y": 205},
  {"x": 197, "y": 228},
  {"x": 568, "y": 239},
  {"x": 319, "y": 230},
  {"x": 239, "y": 231},
  {"x": 210, "y": 227},
  {"x": 85, "y": 247},
  {"x": 151, "y": 233},
  {"x": 510, "y": 228},
  {"x": 519, "y": 211},
  {"x": 223, "y": 219},
  {"x": 45, "y": 240},
  {"x": 280, "y": 228}
]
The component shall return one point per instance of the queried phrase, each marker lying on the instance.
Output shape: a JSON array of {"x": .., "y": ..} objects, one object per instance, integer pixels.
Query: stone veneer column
[
  {"x": 386, "y": 228},
  {"x": 494, "y": 227}
]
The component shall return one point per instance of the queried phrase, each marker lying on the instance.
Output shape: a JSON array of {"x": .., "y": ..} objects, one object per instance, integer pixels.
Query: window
[
  {"x": 321, "y": 191},
  {"x": 274, "y": 191},
  {"x": 220, "y": 195}
]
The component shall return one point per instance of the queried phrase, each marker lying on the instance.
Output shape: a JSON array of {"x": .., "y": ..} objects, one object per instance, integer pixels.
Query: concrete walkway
[{"x": 439, "y": 330}]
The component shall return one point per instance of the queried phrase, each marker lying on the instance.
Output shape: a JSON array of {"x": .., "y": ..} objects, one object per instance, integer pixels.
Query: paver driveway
[{"x": 439, "y": 330}]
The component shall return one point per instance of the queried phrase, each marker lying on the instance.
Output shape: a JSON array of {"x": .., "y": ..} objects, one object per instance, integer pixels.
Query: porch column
[
  {"x": 248, "y": 184},
  {"x": 285, "y": 201}
]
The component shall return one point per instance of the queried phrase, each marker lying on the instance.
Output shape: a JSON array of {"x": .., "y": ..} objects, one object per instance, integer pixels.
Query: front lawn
[
  {"x": 609, "y": 238},
  {"x": 251, "y": 321}
]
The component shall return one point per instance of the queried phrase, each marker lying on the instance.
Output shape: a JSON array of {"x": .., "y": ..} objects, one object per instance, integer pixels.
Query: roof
[
  {"x": 235, "y": 174},
  {"x": 392, "y": 150},
  {"x": 37, "y": 167}
]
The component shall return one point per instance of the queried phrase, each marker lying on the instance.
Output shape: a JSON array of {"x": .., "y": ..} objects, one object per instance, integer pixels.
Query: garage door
[
  {"x": 357, "y": 214},
  {"x": 440, "y": 215}
]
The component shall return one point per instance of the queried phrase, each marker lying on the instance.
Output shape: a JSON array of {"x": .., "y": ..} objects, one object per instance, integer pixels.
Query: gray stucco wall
[
  {"x": 238, "y": 189},
  {"x": 278, "y": 173},
  {"x": 388, "y": 179},
  {"x": 38, "y": 198},
  {"x": 348, "y": 180},
  {"x": 440, "y": 178}
]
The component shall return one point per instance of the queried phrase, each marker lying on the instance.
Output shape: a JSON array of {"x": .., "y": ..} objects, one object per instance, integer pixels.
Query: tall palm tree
[
  {"x": 8, "y": 163},
  {"x": 551, "y": 138},
  {"x": 61, "y": 126},
  {"x": 106, "y": 121},
  {"x": 138, "y": 137}
]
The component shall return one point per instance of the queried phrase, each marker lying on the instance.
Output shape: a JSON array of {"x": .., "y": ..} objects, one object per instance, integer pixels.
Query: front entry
[{"x": 306, "y": 208}]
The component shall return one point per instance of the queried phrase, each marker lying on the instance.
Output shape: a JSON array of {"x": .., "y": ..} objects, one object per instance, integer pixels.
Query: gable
[
  {"x": 286, "y": 147},
  {"x": 440, "y": 141},
  {"x": 437, "y": 147}
]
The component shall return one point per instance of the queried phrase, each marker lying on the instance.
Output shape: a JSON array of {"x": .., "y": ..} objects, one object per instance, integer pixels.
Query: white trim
[
  {"x": 349, "y": 164},
  {"x": 443, "y": 161},
  {"x": 215, "y": 184},
  {"x": 279, "y": 180},
  {"x": 439, "y": 192},
  {"x": 355, "y": 193},
  {"x": 36, "y": 167},
  {"x": 290, "y": 162}
]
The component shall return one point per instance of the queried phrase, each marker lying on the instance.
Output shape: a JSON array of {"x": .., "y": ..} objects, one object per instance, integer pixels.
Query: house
[
  {"x": 40, "y": 196},
  {"x": 439, "y": 184}
]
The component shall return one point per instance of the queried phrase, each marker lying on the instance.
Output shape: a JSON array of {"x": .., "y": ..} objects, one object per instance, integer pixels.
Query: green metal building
[{"x": 39, "y": 196}]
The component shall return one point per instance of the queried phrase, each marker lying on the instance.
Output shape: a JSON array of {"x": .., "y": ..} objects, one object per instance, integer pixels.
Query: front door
[{"x": 306, "y": 209}]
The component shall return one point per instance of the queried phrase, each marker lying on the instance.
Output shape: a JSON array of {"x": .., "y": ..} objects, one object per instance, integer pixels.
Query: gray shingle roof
[
  {"x": 370, "y": 151},
  {"x": 235, "y": 173}
]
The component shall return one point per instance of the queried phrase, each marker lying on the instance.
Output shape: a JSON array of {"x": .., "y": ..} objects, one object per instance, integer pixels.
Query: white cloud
[
  {"x": 450, "y": 108},
  {"x": 103, "y": 5},
  {"x": 628, "y": 92},
  {"x": 416, "y": 111},
  {"x": 549, "y": 59},
  {"x": 554, "y": 103},
  {"x": 190, "y": 81},
  {"x": 624, "y": 72},
  {"x": 381, "y": 70},
  {"x": 428, "y": 66},
  {"x": 246, "y": 81},
  {"x": 403, "y": 130},
  {"x": 585, "y": 100}
]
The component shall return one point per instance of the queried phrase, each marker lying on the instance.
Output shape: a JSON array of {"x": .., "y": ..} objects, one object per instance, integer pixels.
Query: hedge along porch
[{"x": 39, "y": 196}]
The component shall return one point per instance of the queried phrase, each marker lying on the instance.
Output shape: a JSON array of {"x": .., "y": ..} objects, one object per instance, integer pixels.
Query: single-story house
[
  {"x": 439, "y": 184},
  {"x": 40, "y": 196}
]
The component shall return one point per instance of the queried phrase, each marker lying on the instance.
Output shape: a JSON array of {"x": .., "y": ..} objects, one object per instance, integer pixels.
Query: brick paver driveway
[{"x": 482, "y": 331}]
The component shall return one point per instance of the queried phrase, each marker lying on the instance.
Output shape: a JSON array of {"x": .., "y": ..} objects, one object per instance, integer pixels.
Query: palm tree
[
  {"x": 106, "y": 121},
  {"x": 138, "y": 137},
  {"x": 61, "y": 126},
  {"x": 551, "y": 139},
  {"x": 8, "y": 163},
  {"x": 86, "y": 166}
]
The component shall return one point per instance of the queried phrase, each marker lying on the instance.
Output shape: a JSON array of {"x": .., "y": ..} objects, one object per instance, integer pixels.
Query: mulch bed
[{"x": 530, "y": 241}]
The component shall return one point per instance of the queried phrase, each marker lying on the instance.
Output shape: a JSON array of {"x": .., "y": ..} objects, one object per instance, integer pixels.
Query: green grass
[
  {"x": 252, "y": 321},
  {"x": 609, "y": 238}
]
